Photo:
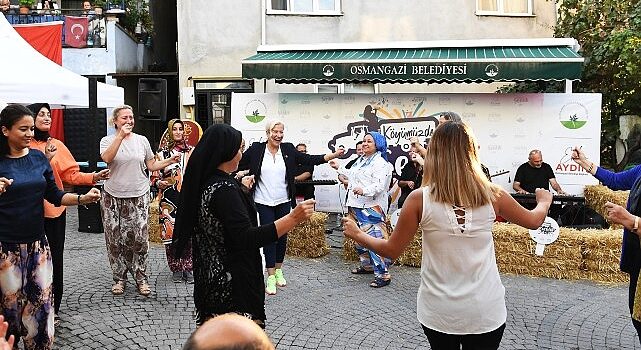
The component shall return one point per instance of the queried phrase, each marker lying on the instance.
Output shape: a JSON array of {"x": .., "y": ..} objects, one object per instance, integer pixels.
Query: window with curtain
[
  {"x": 504, "y": 7},
  {"x": 304, "y": 6}
]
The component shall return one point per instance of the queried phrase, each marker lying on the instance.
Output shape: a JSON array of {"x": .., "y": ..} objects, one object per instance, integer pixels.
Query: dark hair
[
  {"x": 8, "y": 117},
  {"x": 359, "y": 143},
  {"x": 301, "y": 144},
  {"x": 35, "y": 108},
  {"x": 220, "y": 143},
  {"x": 451, "y": 116}
]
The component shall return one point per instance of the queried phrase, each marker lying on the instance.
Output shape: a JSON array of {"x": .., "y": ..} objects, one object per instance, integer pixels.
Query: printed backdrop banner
[{"x": 507, "y": 127}]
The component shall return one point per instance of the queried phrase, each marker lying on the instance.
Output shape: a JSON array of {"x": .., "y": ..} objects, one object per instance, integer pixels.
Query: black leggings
[
  {"x": 55, "y": 231},
  {"x": 483, "y": 341}
]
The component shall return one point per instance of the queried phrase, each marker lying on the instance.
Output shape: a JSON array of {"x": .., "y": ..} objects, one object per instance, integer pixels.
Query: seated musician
[
  {"x": 535, "y": 174},
  {"x": 304, "y": 173}
]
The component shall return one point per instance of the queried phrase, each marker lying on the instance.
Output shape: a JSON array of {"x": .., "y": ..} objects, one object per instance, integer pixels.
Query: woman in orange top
[{"x": 65, "y": 170}]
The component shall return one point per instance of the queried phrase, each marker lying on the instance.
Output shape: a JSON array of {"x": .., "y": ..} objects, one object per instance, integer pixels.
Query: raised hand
[
  {"x": 101, "y": 175},
  {"x": 618, "y": 214},
  {"x": 4, "y": 183},
  {"x": 350, "y": 229},
  {"x": 50, "y": 149},
  {"x": 543, "y": 196},
  {"x": 334, "y": 164},
  {"x": 248, "y": 181},
  {"x": 92, "y": 196},
  {"x": 125, "y": 130},
  {"x": 4, "y": 343},
  {"x": 303, "y": 210}
]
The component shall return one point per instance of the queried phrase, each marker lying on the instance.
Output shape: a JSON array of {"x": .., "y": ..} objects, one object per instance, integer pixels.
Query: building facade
[{"x": 215, "y": 36}]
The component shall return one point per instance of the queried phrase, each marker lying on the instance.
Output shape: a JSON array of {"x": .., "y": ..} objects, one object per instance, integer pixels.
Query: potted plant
[
  {"x": 25, "y": 6},
  {"x": 98, "y": 5}
]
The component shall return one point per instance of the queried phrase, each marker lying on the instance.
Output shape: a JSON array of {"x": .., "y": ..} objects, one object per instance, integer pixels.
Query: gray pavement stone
[{"x": 324, "y": 307}]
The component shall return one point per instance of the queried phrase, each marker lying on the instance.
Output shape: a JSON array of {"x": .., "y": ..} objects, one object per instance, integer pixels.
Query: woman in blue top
[
  {"x": 26, "y": 179},
  {"x": 628, "y": 217}
]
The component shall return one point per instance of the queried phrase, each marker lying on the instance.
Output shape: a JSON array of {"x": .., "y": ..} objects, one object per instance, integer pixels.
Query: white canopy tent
[{"x": 44, "y": 80}]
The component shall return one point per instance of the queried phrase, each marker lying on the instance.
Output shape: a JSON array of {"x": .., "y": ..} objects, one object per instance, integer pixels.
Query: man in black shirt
[
  {"x": 535, "y": 174},
  {"x": 304, "y": 173}
]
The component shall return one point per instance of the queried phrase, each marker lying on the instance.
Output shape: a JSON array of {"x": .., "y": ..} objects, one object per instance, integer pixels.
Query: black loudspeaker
[{"x": 152, "y": 98}]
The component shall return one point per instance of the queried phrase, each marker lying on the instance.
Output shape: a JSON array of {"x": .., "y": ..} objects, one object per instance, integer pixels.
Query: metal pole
[{"x": 93, "y": 120}]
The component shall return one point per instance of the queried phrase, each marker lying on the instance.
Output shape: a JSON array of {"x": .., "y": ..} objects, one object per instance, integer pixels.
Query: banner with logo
[{"x": 507, "y": 127}]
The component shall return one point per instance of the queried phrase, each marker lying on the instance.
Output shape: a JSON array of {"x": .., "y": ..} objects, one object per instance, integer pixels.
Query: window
[
  {"x": 346, "y": 88},
  {"x": 504, "y": 7},
  {"x": 304, "y": 6}
]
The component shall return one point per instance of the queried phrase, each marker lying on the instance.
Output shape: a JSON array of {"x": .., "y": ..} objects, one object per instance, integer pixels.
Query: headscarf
[
  {"x": 38, "y": 134},
  {"x": 219, "y": 144},
  {"x": 381, "y": 143},
  {"x": 167, "y": 143}
]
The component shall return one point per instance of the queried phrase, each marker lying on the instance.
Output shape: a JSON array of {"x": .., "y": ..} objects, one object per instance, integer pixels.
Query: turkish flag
[
  {"x": 46, "y": 38},
  {"x": 76, "y": 31}
]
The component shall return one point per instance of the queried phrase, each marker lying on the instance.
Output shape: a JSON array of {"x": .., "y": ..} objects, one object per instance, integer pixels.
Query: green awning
[{"x": 417, "y": 64}]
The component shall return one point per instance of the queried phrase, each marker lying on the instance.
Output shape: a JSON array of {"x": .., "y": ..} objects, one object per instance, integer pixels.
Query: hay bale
[
  {"x": 515, "y": 253},
  {"x": 597, "y": 195},
  {"x": 413, "y": 254},
  {"x": 577, "y": 254},
  {"x": 307, "y": 239},
  {"x": 153, "y": 222},
  {"x": 349, "y": 252}
]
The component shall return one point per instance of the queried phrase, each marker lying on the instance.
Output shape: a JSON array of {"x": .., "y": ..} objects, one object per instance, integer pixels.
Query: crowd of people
[{"x": 220, "y": 204}]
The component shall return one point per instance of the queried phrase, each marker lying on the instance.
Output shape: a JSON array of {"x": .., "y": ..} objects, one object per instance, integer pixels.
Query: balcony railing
[{"x": 96, "y": 27}]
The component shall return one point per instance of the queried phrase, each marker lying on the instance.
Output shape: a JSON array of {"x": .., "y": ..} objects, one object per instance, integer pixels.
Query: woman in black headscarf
[{"x": 220, "y": 218}]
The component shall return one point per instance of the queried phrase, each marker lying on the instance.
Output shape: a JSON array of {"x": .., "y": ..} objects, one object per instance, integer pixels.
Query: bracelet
[
  {"x": 80, "y": 204},
  {"x": 590, "y": 168},
  {"x": 636, "y": 224}
]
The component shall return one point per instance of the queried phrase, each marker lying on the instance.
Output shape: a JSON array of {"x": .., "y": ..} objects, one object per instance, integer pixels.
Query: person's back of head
[
  {"x": 229, "y": 332},
  {"x": 454, "y": 174}
]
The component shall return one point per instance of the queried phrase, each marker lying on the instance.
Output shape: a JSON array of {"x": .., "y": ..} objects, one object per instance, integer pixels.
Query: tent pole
[
  {"x": 93, "y": 112},
  {"x": 568, "y": 86}
]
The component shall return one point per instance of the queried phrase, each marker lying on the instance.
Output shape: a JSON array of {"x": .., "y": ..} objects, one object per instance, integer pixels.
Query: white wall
[{"x": 120, "y": 55}]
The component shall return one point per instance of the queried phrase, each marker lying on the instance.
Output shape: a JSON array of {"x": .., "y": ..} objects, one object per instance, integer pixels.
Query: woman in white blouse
[
  {"x": 461, "y": 300},
  {"x": 368, "y": 181}
]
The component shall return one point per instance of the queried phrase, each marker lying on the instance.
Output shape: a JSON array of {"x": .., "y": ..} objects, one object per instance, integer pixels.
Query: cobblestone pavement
[{"x": 324, "y": 307}]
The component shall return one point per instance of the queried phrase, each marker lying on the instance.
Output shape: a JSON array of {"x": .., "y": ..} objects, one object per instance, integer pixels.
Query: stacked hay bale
[
  {"x": 307, "y": 239},
  {"x": 577, "y": 254},
  {"x": 601, "y": 254},
  {"x": 515, "y": 253},
  {"x": 153, "y": 223},
  {"x": 597, "y": 195}
]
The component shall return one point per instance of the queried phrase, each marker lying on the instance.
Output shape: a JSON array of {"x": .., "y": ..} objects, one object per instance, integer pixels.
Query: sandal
[
  {"x": 361, "y": 271},
  {"x": 143, "y": 289},
  {"x": 379, "y": 282},
  {"x": 118, "y": 288}
]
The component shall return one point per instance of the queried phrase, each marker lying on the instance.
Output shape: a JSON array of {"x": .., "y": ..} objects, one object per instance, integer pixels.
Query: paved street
[{"x": 325, "y": 307}]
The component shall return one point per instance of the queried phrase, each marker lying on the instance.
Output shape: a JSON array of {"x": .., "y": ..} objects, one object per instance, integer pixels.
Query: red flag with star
[{"x": 76, "y": 31}]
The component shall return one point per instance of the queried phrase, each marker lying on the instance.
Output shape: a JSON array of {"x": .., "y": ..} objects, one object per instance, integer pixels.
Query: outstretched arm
[{"x": 403, "y": 232}]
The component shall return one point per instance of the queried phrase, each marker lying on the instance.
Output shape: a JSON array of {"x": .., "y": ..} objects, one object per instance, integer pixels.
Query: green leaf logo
[
  {"x": 573, "y": 115},
  {"x": 255, "y": 111}
]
